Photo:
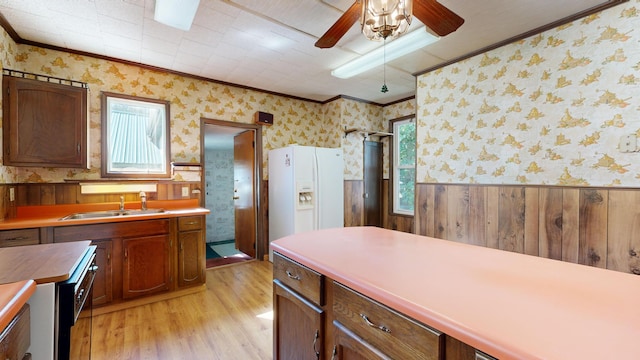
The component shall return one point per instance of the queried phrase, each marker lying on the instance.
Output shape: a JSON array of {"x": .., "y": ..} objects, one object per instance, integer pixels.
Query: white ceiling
[{"x": 269, "y": 45}]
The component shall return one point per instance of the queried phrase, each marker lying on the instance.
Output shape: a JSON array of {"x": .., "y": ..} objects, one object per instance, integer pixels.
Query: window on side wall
[{"x": 404, "y": 165}]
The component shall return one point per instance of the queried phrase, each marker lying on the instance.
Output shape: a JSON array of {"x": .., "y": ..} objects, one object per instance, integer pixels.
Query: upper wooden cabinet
[{"x": 44, "y": 124}]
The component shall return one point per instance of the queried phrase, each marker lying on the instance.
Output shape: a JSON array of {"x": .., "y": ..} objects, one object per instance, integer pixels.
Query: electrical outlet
[
  {"x": 185, "y": 191},
  {"x": 627, "y": 144},
  {"x": 12, "y": 194}
]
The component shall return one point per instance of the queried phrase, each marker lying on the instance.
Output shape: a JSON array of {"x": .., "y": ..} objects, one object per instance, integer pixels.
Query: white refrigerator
[{"x": 306, "y": 190}]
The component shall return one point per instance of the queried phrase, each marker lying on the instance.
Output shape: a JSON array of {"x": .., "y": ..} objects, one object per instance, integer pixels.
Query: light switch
[{"x": 185, "y": 191}]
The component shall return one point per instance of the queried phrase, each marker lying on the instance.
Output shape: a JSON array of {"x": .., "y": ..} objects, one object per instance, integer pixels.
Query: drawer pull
[
  {"x": 379, "y": 327},
  {"x": 17, "y": 238},
  {"x": 291, "y": 276},
  {"x": 315, "y": 341}
]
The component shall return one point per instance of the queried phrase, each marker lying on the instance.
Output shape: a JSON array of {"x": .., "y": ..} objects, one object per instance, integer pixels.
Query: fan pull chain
[{"x": 384, "y": 67}]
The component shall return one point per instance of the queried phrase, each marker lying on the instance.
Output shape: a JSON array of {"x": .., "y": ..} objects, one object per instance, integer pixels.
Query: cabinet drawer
[
  {"x": 15, "y": 339},
  {"x": 395, "y": 334},
  {"x": 190, "y": 223},
  {"x": 19, "y": 237},
  {"x": 300, "y": 278}
]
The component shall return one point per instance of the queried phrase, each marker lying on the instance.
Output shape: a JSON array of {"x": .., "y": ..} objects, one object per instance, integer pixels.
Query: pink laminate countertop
[
  {"x": 13, "y": 296},
  {"x": 509, "y": 305},
  {"x": 50, "y": 215}
]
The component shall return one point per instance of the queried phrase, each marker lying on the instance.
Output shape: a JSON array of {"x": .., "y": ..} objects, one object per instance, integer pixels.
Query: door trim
[{"x": 261, "y": 247}]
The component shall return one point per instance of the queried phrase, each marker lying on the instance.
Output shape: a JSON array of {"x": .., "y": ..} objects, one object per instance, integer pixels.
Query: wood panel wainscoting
[
  {"x": 354, "y": 208},
  {"x": 583, "y": 225}
]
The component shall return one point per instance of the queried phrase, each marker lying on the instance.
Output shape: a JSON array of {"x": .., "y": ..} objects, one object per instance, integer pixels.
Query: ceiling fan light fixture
[
  {"x": 176, "y": 13},
  {"x": 385, "y": 19},
  {"x": 395, "y": 49}
]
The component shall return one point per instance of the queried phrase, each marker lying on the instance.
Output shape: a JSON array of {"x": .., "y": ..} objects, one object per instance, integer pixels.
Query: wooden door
[
  {"x": 103, "y": 282},
  {"x": 349, "y": 346},
  {"x": 145, "y": 266},
  {"x": 34, "y": 113},
  {"x": 298, "y": 326},
  {"x": 372, "y": 183},
  {"x": 244, "y": 192},
  {"x": 191, "y": 257}
]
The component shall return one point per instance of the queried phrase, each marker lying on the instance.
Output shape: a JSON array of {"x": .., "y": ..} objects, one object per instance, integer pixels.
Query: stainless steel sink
[{"x": 111, "y": 213}]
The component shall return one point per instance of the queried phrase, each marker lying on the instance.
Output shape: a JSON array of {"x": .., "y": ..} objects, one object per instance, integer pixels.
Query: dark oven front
[{"x": 73, "y": 311}]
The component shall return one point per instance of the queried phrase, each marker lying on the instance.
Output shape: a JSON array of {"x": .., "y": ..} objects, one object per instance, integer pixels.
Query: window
[
  {"x": 404, "y": 165},
  {"x": 135, "y": 137}
]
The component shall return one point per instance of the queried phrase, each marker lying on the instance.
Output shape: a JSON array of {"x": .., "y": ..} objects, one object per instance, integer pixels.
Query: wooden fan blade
[
  {"x": 436, "y": 16},
  {"x": 337, "y": 30}
]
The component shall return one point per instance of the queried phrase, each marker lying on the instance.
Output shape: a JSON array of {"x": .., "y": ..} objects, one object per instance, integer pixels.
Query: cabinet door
[
  {"x": 103, "y": 282},
  {"x": 44, "y": 123},
  {"x": 298, "y": 326},
  {"x": 146, "y": 267},
  {"x": 191, "y": 258},
  {"x": 348, "y": 346}
]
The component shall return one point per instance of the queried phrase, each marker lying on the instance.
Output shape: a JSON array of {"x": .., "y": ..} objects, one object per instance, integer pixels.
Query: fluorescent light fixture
[
  {"x": 176, "y": 13},
  {"x": 397, "y": 48}
]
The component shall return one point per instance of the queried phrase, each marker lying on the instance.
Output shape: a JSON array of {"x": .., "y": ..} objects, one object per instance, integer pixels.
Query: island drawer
[
  {"x": 19, "y": 237},
  {"x": 190, "y": 223},
  {"x": 399, "y": 336},
  {"x": 300, "y": 278}
]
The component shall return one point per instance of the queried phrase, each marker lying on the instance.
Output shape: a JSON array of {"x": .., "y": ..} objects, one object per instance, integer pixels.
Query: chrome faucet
[
  {"x": 143, "y": 200},
  {"x": 121, "y": 203}
]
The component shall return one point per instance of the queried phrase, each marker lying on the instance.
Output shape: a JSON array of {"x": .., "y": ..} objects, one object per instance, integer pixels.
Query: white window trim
[{"x": 397, "y": 167}]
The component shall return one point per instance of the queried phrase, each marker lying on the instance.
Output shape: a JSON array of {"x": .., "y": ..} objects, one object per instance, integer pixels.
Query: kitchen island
[
  {"x": 15, "y": 330},
  {"x": 501, "y": 304},
  {"x": 42, "y": 266}
]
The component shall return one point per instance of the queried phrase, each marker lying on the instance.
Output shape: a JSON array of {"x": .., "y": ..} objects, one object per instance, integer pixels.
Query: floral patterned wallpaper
[
  {"x": 295, "y": 121},
  {"x": 550, "y": 109}
]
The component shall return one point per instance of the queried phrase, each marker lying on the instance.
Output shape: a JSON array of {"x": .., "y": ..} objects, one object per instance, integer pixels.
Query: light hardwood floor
[{"x": 227, "y": 321}]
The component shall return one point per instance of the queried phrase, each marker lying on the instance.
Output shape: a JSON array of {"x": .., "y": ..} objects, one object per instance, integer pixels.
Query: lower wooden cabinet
[
  {"x": 191, "y": 251},
  {"x": 457, "y": 350},
  {"x": 142, "y": 257},
  {"x": 317, "y": 318},
  {"x": 380, "y": 327},
  {"x": 349, "y": 346},
  {"x": 146, "y": 267},
  {"x": 19, "y": 237},
  {"x": 298, "y": 326},
  {"x": 103, "y": 281},
  {"x": 15, "y": 338}
]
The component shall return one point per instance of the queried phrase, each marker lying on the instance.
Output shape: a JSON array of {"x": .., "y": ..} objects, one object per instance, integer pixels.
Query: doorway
[{"x": 231, "y": 174}]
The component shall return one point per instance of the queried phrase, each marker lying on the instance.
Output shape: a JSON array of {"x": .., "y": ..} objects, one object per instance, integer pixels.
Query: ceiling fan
[{"x": 431, "y": 13}]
